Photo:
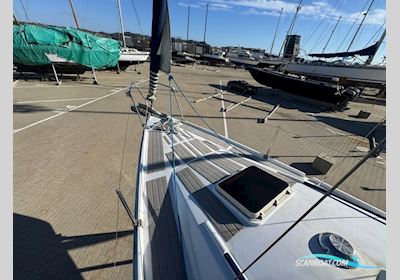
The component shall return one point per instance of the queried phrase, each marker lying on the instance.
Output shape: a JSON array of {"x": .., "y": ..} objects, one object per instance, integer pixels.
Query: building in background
[{"x": 292, "y": 46}]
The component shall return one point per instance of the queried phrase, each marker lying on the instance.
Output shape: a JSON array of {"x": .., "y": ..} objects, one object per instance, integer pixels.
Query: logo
[{"x": 330, "y": 260}]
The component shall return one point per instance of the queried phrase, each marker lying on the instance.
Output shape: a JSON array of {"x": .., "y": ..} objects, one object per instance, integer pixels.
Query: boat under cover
[{"x": 36, "y": 45}]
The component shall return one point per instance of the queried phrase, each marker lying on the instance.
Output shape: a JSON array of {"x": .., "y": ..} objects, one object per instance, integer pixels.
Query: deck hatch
[{"x": 254, "y": 191}]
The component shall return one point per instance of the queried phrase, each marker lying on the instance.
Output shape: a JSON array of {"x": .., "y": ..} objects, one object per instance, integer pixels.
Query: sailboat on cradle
[
  {"x": 208, "y": 207},
  {"x": 129, "y": 56}
]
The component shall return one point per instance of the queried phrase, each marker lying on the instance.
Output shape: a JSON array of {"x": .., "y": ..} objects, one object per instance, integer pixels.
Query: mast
[
  {"x": 276, "y": 30},
  {"x": 205, "y": 29},
  {"x": 289, "y": 32},
  {"x": 371, "y": 57},
  {"x": 23, "y": 7},
  {"x": 361, "y": 23},
  {"x": 327, "y": 42},
  {"x": 74, "y": 14},
  {"x": 121, "y": 22},
  {"x": 15, "y": 19},
  {"x": 187, "y": 31},
  {"x": 161, "y": 46}
]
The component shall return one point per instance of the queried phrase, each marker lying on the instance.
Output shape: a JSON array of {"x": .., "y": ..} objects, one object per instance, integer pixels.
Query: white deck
[{"x": 210, "y": 226}]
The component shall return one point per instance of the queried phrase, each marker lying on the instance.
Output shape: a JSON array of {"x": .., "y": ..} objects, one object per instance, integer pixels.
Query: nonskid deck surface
[
  {"x": 167, "y": 256},
  {"x": 226, "y": 223},
  {"x": 155, "y": 152},
  {"x": 202, "y": 163},
  {"x": 201, "y": 159}
]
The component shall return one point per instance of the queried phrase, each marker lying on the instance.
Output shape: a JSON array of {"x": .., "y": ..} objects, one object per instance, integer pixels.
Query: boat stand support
[
  {"x": 139, "y": 72},
  {"x": 263, "y": 120},
  {"x": 230, "y": 107},
  {"x": 118, "y": 69},
  {"x": 94, "y": 77},
  {"x": 55, "y": 74},
  {"x": 209, "y": 97}
]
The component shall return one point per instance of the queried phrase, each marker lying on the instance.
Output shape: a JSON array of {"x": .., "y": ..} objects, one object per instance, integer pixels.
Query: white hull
[
  {"x": 216, "y": 57},
  {"x": 133, "y": 55},
  {"x": 367, "y": 74},
  {"x": 54, "y": 58},
  {"x": 243, "y": 61}
]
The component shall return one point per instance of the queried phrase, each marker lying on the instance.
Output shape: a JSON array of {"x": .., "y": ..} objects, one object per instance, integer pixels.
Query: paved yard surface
[{"x": 75, "y": 144}]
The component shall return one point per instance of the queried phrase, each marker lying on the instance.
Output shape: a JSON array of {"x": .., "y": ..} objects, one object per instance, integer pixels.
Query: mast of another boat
[
  {"x": 77, "y": 27},
  {"x": 359, "y": 27},
  {"x": 74, "y": 14},
  {"x": 15, "y": 19},
  {"x": 23, "y": 7},
  {"x": 333, "y": 31},
  {"x": 205, "y": 30},
  {"x": 276, "y": 30},
  {"x": 121, "y": 22},
  {"x": 371, "y": 57},
  {"x": 187, "y": 30},
  {"x": 289, "y": 32},
  {"x": 161, "y": 46}
]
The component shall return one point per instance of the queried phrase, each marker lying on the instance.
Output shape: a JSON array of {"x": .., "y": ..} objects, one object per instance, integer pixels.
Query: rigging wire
[
  {"x": 318, "y": 39},
  {"x": 171, "y": 132},
  {"x": 330, "y": 37},
  {"x": 16, "y": 16},
  {"x": 276, "y": 29},
  {"x": 362, "y": 27},
  {"x": 119, "y": 189},
  {"x": 83, "y": 18},
  {"x": 323, "y": 33},
  {"x": 321, "y": 21},
  {"x": 285, "y": 22},
  {"x": 119, "y": 25},
  {"x": 137, "y": 17},
  {"x": 351, "y": 28},
  {"x": 375, "y": 36},
  {"x": 328, "y": 193},
  {"x": 291, "y": 27},
  {"x": 23, "y": 8}
]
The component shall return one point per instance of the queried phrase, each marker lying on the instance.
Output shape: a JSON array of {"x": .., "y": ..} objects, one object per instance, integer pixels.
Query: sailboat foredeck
[
  {"x": 194, "y": 204},
  {"x": 167, "y": 256},
  {"x": 225, "y": 222}
]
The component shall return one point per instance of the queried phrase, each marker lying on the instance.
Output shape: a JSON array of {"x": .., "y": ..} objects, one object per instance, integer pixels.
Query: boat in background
[
  {"x": 357, "y": 75},
  {"x": 208, "y": 207},
  {"x": 129, "y": 56},
  {"x": 215, "y": 58},
  {"x": 347, "y": 75},
  {"x": 242, "y": 57},
  {"x": 40, "y": 49},
  {"x": 183, "y": 58},
  {"x": 318, "y": 90}
]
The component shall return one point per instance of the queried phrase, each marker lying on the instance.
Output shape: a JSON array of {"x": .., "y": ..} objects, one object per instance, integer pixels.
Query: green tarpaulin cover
[{"x": 33, "y": 42}]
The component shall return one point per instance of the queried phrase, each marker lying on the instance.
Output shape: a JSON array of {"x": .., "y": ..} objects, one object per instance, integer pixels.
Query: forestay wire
[
  {"x": 119, "y": 189},
  {"x": 171, "y": 133}
]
